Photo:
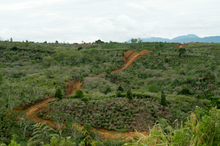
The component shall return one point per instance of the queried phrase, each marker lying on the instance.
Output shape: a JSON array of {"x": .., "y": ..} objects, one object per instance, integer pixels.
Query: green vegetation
[
  {"x": 58, "y": 93},
  {"x": 128, "y": 100}
]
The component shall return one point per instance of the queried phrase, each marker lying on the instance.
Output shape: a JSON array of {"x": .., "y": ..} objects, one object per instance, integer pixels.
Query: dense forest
[{"x": 87, "y": 94}]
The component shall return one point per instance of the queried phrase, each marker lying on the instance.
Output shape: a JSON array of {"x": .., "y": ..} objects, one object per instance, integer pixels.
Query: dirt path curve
[{"x": 71, "y": 87}]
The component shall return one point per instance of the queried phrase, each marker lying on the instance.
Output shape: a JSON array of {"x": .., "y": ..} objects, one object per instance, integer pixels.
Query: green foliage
[
  {"x": 48, "y": 60},
  {"x": 88, "y": 134},
  {"x": 182, "y": 51},
  {"x": 42, "y": 133},
  {"x": 107, "y": 70},
  {"x": 163, "y": 101},
  {"x": 79, "y": 94},
  {"x": 119, "y": 94},
  {"x": 85, "y": 99},
  {"x": 133, "y": 40},
  {"x": 58, "y": 93},
  {"x": 205, "y": 132},
  {"x": 209, "y": 76},
  {"x": 199, "y": 96},
  {"x": 129, "y": 94},
  {"x": 185, "y": 91},
  {"x": 80, "y": 48},
  {"x": 1, "y": 79},
  {"x": 120, "y": 88},
  {"x": 107, "y": 89},
  {"x": 154, "y": 88}
]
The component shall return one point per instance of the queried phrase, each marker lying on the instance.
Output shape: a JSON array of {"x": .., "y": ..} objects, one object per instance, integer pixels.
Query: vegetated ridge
[{"x": 71, "y": 87}]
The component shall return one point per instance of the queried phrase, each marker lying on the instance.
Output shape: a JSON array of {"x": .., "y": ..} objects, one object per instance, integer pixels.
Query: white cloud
[{"x": 77, "y": 20}]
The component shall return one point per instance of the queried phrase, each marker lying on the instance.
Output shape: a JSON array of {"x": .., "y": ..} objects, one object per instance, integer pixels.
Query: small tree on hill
[
  {"x": 163, "y": 100},
  {"x": 58, "y": 93},
  {"x": 107, "y": 70},
  {"x": 1, "y": 79},
  {"x": 79, "y": 94},
  {"x": 85, "y": 99},
  {"x": 133, "y": 40},
  {"x": 129, "y": 94},
  {"x": 120, "y": 88},
  {"x": 182, "y": 51}
]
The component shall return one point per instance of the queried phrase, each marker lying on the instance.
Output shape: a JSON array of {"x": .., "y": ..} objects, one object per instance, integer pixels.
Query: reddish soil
[
  {"x": 71, "y": 87},
  {"x": 179, "y": 45}
]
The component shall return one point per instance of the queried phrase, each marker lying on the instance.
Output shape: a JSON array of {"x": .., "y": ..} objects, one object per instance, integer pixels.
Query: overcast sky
[{"x": 116, "y": 20}]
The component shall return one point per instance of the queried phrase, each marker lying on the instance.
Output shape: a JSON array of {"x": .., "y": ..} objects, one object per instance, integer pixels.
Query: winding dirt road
[{"x": 71, "y": 87}]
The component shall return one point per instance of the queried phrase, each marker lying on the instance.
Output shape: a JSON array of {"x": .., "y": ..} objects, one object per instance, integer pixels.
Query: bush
[
  {"x": 185, "y": 91},
  {"x": 129, "y": 94},
  {"x": 199, "y": 96},
  {"x": 154, "y": 88},
  {"x": 163, "y": 99},
  {"x": 79, "y": 94},
  {"x": 85, "y": 99},
  {"x": 58, "y": 93},
  {"x": 107, "y": 89},
  {"x": 120, "y": 88},
  {"x": 107, "y": 70},
  {"x": 80, "y": 48},
  {"x": 118, "y": 94},
  {"x": 1, "y": 79}
]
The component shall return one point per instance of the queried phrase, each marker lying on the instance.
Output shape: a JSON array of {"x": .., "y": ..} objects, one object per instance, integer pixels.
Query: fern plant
[{"x": 42, "y": 133}]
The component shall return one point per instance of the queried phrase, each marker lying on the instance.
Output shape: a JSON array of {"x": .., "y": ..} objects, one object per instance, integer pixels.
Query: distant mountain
[{"x": 183, "y": 39}]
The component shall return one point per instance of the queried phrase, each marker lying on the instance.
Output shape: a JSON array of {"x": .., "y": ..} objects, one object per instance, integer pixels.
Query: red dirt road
[{"x": 71, "y": 87}]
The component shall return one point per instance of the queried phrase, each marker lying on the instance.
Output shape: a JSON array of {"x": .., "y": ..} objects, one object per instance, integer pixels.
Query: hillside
[{"x": 120, "y": 89}]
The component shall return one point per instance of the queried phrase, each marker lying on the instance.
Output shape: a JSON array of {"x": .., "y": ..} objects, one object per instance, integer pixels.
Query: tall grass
[{"x": 201, "y": 129}]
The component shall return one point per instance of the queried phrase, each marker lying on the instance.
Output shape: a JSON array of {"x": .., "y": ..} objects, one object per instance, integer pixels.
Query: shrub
[
  {"x": 199, "y": 96},
  {"x": 48, "y": 61},
  {"x": 118, "y": 94},
  {"x": 185, "y": 91},
  {"x": 1, "y": 78},
  {"x": 79, "y": 94},
  {"x": 120, "y": 88},
  {"x": 163, "y": 100},
  {"x": 107, "y": 89},
  {"x": 58, "y": 93},
  {"x": 107, "y": 70},
  {"x": 154, "y": 88},
  {"x": 85, "y": 99},
  {"x": 129, "y": 94},
  {"x": 80, "y": 48}
]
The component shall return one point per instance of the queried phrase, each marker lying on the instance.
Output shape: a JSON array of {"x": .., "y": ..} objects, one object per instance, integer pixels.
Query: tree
[
  {"x": 26, "y": 43},
  {"x": 133, "y": 40},
  {"x": 129, "y": 94},
  {"x": 1, "y": 79},
  {"x": 153, "y": 49},
  {"x": 163, "y": 100},
  {"x": 139, "y": 40},
  {"x": 107, "y": 70},
  {"x": 182, "y": 51},
  {"x": 120, "y": 88},
  {"x": 107, "y": 89},
  {"x": 88, "y": 133},
  {"x": 58, "y": 93},
  {"x": 79, "y": 94},
  {"x": 154, "y": 88},
  {"x": 56, "y": 42},
  {"x": 85, "y": 99},
  {"x": 209, "y": 76},
  {"x": 11, "y": 40},
  {"x": 185, "y": 91},
  {"x": 48, "y": 60},
  {"x": 42, "y": 132}
]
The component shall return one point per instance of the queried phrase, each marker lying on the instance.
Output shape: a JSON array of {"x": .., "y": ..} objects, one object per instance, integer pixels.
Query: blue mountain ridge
[{"x": 183, "y": 39}]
